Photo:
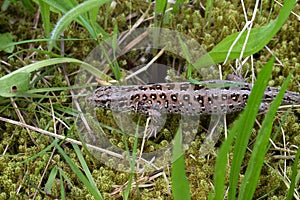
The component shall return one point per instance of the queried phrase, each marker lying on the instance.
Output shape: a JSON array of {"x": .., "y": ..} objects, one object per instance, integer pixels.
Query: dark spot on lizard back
[
  {"x": 199, "y": 98},
  {"x": 166, "y": 104},
  {"x": 174, "y": 97},
  {"x": 153, "y": 96},
  {"x": 198, "y": 87},
  {"x": 144, "y": 97},
  {"x": 163, "y": 96},
  {"x": 136, "y": 96},
  {"x": 268, "y": 97},
  {"x": 157, "y": 87},
  {"x": 245, "y": 87},
  {"x": 234, "y": 97},
  {"x": 143, "y": 88}
]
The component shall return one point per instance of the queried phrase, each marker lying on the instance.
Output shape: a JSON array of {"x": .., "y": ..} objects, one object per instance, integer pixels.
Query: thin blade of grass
[
  {"x": 72, "y": 15},
  {"x": 67, "y": 110},
  {"x": 94, "y": 191},
  {"x": 133, "y": 160},
  {"x": 5, "y": 5},
  {"x": 45, "y": 13},
  {"x": 39, "y": 90},
  {"x": 38, "y": 65},
  {"x": 62, "y": 189},
  {"x": 115, "y": 65},
  {"x": 2, "y": 46},
  {"x": 59, "y": 6},
  {"x": 256, "y": 161},
  {"x": 208, "y": 9},
  {"x": 44, "y": 151},
  {"x": 244, "y": 124},
  {"x": 12, "y": 44},
  {"x": 92, "y": 15},
  {"x": 279, "y": 128},
  {"x": 160, "y": 8},
  {"x": 84, "y": 166},
  {"x": 258, "y": 38},
  {"x": 177, "y": 6},
  {"x": 84, "y": 20},
  {"x": 245, "y": 129},
  {"x": 187, "y": 57},
  {"x": 32, "y": 93},
  {"x": 180, "y": 183},
  {"x": 294, "y": 176},
  {"x": 51, "y": 180},
  {"x": 28, "y": 5},
  {"x": 67, "y": 179}
]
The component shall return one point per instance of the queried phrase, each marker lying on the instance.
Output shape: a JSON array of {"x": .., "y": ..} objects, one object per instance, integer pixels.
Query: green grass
[
  {"x": 241, "y": 132},
  {"x": 180, "y": 184},
  {"x": 72, "y": 14},
  {"x": 87, "y": 181}
]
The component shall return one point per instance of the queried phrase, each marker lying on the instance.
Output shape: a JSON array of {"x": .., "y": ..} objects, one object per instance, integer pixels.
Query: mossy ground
[{"x": 19, "y": 180}]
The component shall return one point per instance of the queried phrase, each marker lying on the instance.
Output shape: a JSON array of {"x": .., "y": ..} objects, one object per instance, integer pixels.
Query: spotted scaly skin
[{"x": 208, "y": 97}]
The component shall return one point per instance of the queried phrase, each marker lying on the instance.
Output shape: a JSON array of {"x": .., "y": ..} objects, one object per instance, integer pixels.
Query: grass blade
[
  {"x": 72, "y": 15},
  {"x": 244, "y": 124},
  {"x": 94, "y": 191},
  {"x": 115, "y": 65},
  {"x": 160, "y": 8},
  {"x": 51, "y": 180},
  {"x": 85, "y": 20},
  {"x": 85, "y": 167},
  {"x": 177, "y": 6},
  {"x": 180, "y": 183},
  {"x": 245, "y": 129},
  {"x": 255, "y": 164},
  {"x": 294, "y": 175},
  {"x": 44, "y": 151},
  {"x": 62, "y": 189},
  {"x": 45, "y": 13},
  {"x": 126, "y": 192},
  {"x": 208, "y": 11},
  {"x": 187, "y": 56}
]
